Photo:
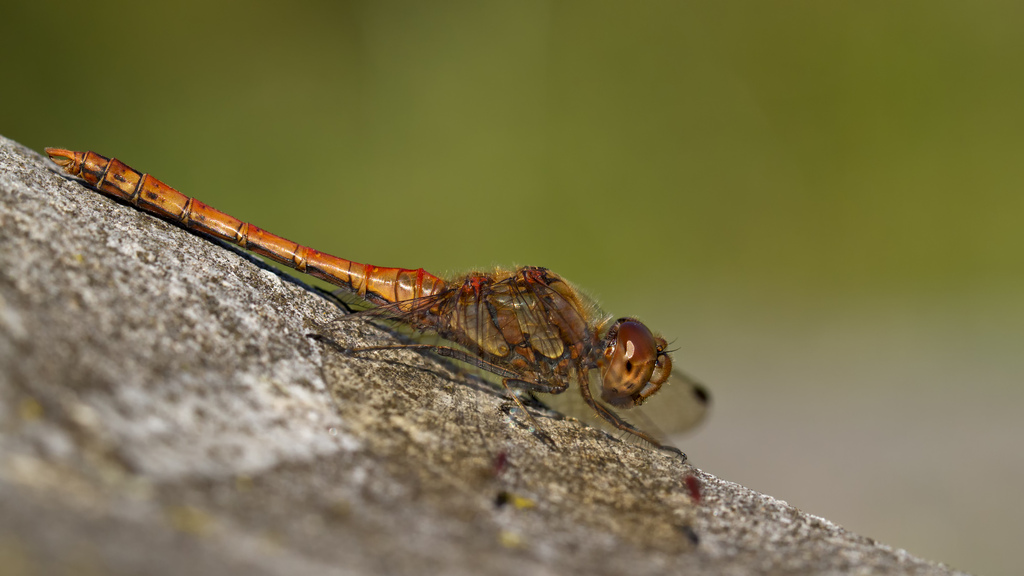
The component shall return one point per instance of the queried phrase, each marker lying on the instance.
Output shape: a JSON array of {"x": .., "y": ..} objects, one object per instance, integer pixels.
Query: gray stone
[{"x": 163, "y": 411}]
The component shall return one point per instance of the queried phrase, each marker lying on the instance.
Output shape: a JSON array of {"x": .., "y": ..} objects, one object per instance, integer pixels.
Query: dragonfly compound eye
[{"x": 631, "y": 357}]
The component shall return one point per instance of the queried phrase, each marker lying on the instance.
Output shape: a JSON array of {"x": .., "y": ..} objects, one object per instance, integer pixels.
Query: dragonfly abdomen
[{"x": 117, "y": 179}]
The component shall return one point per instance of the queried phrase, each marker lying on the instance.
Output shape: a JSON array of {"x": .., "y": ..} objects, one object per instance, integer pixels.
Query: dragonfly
[{"x": 528, "y": 326}]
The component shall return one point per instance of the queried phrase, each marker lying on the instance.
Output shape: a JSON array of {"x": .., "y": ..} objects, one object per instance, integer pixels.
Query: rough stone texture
[{"x": 163, "y": 412}]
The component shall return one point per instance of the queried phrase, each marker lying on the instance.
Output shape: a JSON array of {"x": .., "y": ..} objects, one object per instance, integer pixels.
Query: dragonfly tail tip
[{"x": 61, "y": 157}]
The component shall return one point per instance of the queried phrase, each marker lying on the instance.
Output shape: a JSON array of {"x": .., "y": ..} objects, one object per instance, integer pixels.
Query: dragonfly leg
[
  {"x": 448, "y": 352},
  {"x": 508, "y": 376},
  {"x": 349, "y": 349},
  {"x": 616, "y": 421},
  {"x": 538, "y": 386},
  {"x": 445, "y": 351},
  {"x": 535, "y": 428}
]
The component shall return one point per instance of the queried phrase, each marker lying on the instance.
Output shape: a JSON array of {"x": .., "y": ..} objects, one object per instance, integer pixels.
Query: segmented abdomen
[{"x": 115, "y": 178}]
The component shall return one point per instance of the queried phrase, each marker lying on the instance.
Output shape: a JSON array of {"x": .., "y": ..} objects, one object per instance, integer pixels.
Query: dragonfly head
[{"x": 634, "y": 365}]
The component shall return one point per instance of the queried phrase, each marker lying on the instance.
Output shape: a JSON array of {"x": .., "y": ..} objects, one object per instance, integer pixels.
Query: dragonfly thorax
[{"x": 634, "y": 364}]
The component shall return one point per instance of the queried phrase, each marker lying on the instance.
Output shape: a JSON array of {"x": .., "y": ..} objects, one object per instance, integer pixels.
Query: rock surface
[{"x": 162, "y": 411}]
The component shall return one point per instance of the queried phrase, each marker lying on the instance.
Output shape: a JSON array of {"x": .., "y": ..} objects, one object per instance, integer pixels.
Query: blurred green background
[{"x": 819, "y": 203}]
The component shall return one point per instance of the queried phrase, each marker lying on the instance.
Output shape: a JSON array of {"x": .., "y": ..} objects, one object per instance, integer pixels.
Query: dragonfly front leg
[{"x": 616, "y": 421}]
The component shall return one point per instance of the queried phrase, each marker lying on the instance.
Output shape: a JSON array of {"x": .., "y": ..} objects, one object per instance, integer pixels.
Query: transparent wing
[
  {"x": 405, "y": 312},
  {"x": 681, "y": 404}
]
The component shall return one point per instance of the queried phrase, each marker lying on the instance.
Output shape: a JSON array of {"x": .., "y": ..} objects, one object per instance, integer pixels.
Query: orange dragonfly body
[{"x": 528, "y": 326}]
